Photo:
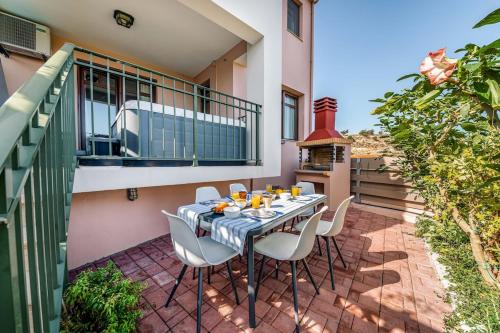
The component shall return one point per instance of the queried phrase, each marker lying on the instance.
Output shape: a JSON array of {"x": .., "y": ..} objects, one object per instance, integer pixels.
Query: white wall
[{"x": 259, "y": 23}]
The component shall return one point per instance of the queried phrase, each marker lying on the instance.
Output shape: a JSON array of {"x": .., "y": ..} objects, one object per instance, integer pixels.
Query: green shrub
[
  {"x": 477, "y": 305},
  {"x": 101, "y": 301},
  {"x": 367, "y": 132}
]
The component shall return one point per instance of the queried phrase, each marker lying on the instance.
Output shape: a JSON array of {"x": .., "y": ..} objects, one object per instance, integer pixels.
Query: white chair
[
  {"x": 237, "y": 187},
  {"x": 290, "y": 247},
  {"x": 197, "y": 253},
  {"x": 206, "y": 193},
  {"x": 327, "y": 230}
]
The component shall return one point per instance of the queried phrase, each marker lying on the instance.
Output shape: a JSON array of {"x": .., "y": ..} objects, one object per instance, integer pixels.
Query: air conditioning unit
[{"x": 23, "y": 36}]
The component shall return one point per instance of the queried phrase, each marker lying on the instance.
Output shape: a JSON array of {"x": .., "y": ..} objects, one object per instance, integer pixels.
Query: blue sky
[{"x": 363, "y": 46}]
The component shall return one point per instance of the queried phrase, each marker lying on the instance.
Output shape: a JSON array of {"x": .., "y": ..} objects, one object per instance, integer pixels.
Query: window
[
  {"x": 290, "y": 116},
  {"x": 293, "y": 17}
]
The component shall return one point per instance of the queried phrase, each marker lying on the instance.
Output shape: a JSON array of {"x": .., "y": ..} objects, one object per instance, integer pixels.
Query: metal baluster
[
  {"x": 174, "y": 92},
  {"x": 195, "y": 120},
  {"x": 124, "y": 110},
  {"x": 92, "y": 104},
  {"x": 139, "y": 114},
  {"x": 109, "y": 107}
]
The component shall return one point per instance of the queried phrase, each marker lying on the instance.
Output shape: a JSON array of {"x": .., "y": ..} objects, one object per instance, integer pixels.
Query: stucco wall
[
  {"x": 17, "y": 69},
  {"x": 106, "y": 222},
  {"x": 296, "y": 79}
]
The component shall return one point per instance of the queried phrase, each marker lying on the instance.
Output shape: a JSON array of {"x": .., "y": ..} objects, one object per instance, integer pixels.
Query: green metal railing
[
  {"x": 37, "y": 162},
  {"x": 134, "y": 113}
]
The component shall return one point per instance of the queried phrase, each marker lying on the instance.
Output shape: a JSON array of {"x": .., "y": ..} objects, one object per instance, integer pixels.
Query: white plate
[{"x": 261, "y": 213}]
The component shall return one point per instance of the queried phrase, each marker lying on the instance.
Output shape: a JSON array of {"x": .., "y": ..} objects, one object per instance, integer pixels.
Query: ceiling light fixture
[{"x": 123, "y": 19}]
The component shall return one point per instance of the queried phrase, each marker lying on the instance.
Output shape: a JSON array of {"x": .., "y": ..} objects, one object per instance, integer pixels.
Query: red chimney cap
[{"x": 324, "y": 109}]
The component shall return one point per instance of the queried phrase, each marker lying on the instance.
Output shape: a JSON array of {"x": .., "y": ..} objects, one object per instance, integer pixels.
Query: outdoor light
[
  {"x": 123, "y": 19},
  {"x": 132, "y": 194}
]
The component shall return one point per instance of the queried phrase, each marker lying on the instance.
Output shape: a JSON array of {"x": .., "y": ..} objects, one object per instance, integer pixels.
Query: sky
[{"x": 363, "y": 46}]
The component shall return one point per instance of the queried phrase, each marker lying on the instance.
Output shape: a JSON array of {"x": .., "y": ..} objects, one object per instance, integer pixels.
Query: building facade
[{"x": 242, "y": 69}]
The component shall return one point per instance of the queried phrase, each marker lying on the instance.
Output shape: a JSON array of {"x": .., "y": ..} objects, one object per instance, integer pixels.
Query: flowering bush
[{"x": 447, "y": 129}]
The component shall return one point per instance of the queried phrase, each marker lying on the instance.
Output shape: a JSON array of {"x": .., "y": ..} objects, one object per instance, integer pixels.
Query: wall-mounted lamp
[
  {"x": 123, "y": 19},
  {"x": 132, "y": 194}
]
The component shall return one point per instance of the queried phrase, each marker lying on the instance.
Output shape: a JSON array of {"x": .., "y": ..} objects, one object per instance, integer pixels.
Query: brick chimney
[{"x": 324, "y": 126}]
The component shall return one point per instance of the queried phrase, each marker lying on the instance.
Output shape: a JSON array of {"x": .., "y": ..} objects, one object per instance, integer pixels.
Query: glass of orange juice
[
  {"x": 295, "y": 191},
  {"x": 235, "y": 195},
  {"x": 269, "y": 188},
  {"x": 255, "y": 200}
]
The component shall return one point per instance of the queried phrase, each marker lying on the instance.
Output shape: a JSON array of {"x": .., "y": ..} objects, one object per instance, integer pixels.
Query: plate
[{"x": 261, "y": 213}]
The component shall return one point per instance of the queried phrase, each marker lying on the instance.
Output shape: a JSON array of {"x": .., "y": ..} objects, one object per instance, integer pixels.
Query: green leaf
[
  {"x": 469, "y": 127},
  {"x": 404, "y": 77},
  {"x": 491, "y": 18},
  {"x": 378, "y": 110},
  {"x": 430, "y": 96},
  {"x": 482, "y": 91},
  {"x": 403, "y": 134},
  {"x": 388, "y": 94},
  {"x": 492, "y": 45},
  {"x": 377, "y": 100},
  {"x": 494, "y": 93}
]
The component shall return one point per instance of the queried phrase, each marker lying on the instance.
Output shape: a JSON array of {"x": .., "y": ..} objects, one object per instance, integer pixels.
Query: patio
[{"x": 390, "y": 285}]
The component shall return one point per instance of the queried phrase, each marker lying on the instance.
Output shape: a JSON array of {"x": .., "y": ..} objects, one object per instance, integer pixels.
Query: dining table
[{"x": 240, "y": 232}]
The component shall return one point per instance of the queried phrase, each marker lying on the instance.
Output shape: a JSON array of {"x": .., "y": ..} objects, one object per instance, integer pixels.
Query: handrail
[
  {"x": 152, "y": 133},
  {"x": 37, "y": 163},
  {"x": 19, "y": 108}
]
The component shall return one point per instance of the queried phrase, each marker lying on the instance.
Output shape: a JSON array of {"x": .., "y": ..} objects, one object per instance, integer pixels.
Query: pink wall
[
  {"x": 17, "y": 69},
  {"x": 220, "y": 71},
  {"x": 297, "y": 62},
  {"x": 104, "y": 223}
]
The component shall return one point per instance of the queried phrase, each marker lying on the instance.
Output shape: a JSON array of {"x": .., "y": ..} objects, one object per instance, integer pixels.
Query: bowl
[
  {"x": 285, "y": 195},
  {"x": 232, "y": 212}
]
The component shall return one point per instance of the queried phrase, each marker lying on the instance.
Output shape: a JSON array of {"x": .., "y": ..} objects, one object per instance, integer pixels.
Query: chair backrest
[
  {"x": 307, "y": 187},
  {"x": 206, "y": 193},
  {"x": 185, "y": 242},
  {"x": 237, "y": 187},
  {"x": 307, "y": 236},
  {"x": 339, "y": 218}
]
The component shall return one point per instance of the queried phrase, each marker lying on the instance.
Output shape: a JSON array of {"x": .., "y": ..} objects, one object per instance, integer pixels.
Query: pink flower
[{"x": 438, "y": 67}]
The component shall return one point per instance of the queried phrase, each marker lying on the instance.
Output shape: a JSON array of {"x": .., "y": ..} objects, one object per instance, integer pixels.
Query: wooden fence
[{"x": 382, "y": 187}]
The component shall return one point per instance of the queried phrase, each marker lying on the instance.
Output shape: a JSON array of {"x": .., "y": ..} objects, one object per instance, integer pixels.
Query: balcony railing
[
  {"x": 133, "y": 114},
  {"x": 37, "y": 162}
]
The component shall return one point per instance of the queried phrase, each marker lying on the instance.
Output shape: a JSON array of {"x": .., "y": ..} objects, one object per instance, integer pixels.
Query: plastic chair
[
  {"x": 197, "y": 253},
  {"x": 206, "y": 193},
  {"x": 237, "y": 187},
  {"x": 327, "y": 230},
  {"x": 290, "y": 247}
]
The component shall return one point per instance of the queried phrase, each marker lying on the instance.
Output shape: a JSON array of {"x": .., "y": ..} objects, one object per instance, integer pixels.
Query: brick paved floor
[{"x": 389, "y": 286}]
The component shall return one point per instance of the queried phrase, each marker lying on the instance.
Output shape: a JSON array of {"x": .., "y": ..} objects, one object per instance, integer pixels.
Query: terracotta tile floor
[{"x": 389, "y": 285}]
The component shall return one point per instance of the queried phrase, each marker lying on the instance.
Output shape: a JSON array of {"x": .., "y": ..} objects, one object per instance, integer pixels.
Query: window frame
[
  {"x": 296, "y": 107},
  {"x": 299, "y": 18}
]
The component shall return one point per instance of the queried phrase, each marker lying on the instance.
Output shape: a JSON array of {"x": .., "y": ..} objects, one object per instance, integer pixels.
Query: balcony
[{"x": 133, "y": 116}]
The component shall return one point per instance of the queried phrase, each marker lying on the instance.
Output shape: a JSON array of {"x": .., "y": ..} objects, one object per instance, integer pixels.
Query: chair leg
[
  {"x": 310, "y": 276},
  {"x": 177, "y": 283},
  {"x": 293, "y": 222},
  {"x": 338, "y": 251},
  {"x": 319, "y": 247},
  {"x": 295, "y": 298},
  {"x": 209, "y": 270},
  {"x": 233, "y": 284},
  {"x": 330, "y": 265},
  {"x": 200, "y": 293},
  {"x": 204, "y": 233},
  {"x": 277, "y": 269},
  {"x": 194, "y": 273},
  {"x": 259, "y": 279}
]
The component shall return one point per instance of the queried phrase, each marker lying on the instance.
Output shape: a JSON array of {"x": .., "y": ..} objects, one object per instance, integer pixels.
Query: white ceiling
[{"x": 165, "y": 32}]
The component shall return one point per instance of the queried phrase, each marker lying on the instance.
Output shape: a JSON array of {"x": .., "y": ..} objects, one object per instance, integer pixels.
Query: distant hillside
[{"x": 367, "y": 142}]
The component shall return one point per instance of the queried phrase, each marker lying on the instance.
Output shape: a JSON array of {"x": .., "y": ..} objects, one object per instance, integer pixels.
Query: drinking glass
[
  {"x": 256, "y": 200},
  {"x": 295, "y": 191},
  {"x": 267, "y": 200},
  {"x": 235, "y": 195},
  {"x": 269, "y": 188}
]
